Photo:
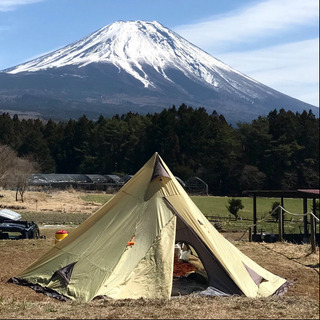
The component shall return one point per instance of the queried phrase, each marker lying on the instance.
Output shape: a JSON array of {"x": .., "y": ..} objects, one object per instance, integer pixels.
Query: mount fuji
[{"x": 135, "y": 66}]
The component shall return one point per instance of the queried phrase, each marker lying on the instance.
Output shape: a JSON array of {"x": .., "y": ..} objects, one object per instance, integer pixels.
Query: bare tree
[
  {"x": 22, "y": 172},
  {"x": 15, "y": 171}
]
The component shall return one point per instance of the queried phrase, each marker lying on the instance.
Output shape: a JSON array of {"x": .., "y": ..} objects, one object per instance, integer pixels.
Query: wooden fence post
[
  {"x": 305, "y": 221},
  {"x": 280, "y": 224},
  {"x": 313, "y": 228},
  {"x": 254, "y": 215},
  {"x": 282, "y": 214}
]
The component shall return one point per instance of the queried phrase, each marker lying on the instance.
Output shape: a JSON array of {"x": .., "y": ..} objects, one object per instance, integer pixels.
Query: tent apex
[{"x": 158, "y": 169}]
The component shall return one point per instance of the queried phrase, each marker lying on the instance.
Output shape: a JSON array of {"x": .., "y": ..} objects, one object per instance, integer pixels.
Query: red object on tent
[{"x": 131, "y": 242}]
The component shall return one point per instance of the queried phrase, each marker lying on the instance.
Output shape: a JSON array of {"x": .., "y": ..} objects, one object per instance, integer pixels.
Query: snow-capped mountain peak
[
  {"x": 131, "y": 45},
  {"x": 139, "y": 66}
]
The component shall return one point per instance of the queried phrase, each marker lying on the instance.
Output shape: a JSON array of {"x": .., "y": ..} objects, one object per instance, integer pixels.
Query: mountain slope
[{"x": 135, "y": 66}]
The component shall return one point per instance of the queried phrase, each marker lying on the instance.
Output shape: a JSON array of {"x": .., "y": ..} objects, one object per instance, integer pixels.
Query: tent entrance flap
[{"x": 217, "y": 276}]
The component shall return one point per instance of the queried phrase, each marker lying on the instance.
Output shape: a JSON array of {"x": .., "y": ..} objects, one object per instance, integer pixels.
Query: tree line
[{"x": 277, "y": 151}]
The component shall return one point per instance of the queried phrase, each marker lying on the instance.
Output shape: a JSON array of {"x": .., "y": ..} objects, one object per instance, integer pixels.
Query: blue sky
[{"x": 275, "y": 42}]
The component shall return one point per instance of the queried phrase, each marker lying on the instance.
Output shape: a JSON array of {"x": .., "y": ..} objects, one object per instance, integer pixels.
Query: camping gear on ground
[
  {"x": 60, "y": 235},
  {"x": 182, "y": 268},
  {"x": 95, "y": 259},
  {"x": 182, "y": 251}
]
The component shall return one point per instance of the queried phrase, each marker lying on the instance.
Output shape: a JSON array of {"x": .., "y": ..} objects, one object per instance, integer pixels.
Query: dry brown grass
[
  {"x": 293, "y": 262},
  {"x": 58, "y": 201}
]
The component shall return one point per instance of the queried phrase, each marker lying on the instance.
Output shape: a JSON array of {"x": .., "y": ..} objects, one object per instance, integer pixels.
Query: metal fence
[{"x": 110, "y": 183}]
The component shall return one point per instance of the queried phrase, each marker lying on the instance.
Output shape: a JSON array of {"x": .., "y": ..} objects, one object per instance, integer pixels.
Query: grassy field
[
  {"x": 216, "y": 208},
  {"x": 68, "y": 209},
  {"x": 71, "y": 207}
]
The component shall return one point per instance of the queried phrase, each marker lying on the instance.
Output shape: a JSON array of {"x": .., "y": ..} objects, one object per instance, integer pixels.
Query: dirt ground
[
  {"x": 58, "y": 201},
  {"x": 290, "y": 261}
]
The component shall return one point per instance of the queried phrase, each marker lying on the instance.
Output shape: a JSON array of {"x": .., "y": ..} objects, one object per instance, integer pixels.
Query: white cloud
[
  {"x": 8, "y": 5},
  {"x": 261, "y": 20},
  {"x": 291, "y": 68}
]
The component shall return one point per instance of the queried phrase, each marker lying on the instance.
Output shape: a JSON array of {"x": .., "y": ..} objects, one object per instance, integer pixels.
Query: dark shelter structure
[{"x": 303, "y": 194}]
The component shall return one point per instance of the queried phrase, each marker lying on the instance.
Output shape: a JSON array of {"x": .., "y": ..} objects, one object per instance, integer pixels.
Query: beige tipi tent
[{"x": 96, "y": 260}]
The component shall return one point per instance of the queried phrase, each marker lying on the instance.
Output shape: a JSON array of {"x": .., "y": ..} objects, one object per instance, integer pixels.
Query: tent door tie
[{"x": 131, "y": 242}]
